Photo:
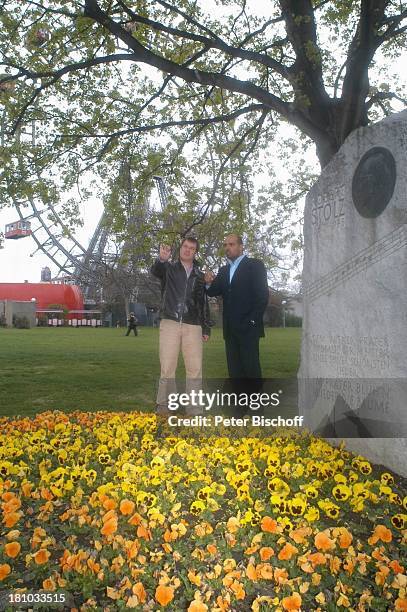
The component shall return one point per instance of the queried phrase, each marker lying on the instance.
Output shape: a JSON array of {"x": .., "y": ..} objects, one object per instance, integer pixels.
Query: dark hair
[
  {"x": 239, "y": 238},
  {"x": 191, "y": 239}
]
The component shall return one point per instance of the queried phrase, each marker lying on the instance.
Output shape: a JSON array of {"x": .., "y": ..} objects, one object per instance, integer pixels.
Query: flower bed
[{"x": 104, "y": 508}]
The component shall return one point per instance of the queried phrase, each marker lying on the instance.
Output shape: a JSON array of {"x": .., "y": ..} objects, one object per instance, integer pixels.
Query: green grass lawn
[{"x": 101, "y": 369}]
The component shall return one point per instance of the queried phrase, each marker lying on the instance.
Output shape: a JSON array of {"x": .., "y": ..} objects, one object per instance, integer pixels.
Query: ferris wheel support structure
[{"x": 75, "y": 263}]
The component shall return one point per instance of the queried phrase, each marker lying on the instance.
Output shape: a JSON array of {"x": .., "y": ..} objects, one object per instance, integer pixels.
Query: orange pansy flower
[
  {"x": 251, "y": 572},
  {"x": 46, "y": 494},
  {"x": 238, "y": 590},
  {"x": 287, "y": 552},
  {"x": 381, "y": 575},
  {"x": 41, "y": 556},
  {"x": 127, "y": 506},
  {"x": 349, "y": 566},
  {"x": 142, "y": 532},
  {"x": 345, "y": 538},
  {"x": 135, "y": 519},
  {"x": 334, "y": 565},
  {"x": 266, "y": 552},
  {"x": 168, "y": 536},
  {"x": 109, "y": 527},
  {"x": 381, "y": 532},
  {"x": 266, "y": 571},
  {"x": 378, "y": 554},
  {"x": 401, "y": 604},
  {"x": 108, "y": 515},
  {"x": 317, "y": 559},
  {"x": 292, "y": 603},
  {"x": 197, "y": 606},
  {"x": 11, "y": 505},
  {"x": 280, "y": 575},
  {"x": 12, "y": 549},
  {"x": 7, "y": 496},
  {"x": 26, "y": 489},
  {"x": 132, "y": 549},
  {"x": 164, "y": 594},
  {"x": 233, "y": 524},
  {"x": 300, "y": 535},
  {"x": 49, "y": 584},
  {"x": 109, "y": 504},
  {"x": 223, "y": 604},
  {"x": 269, "y": 525},
  {"x": 11, "y": 518},
  {"x": 5, "y": 569},
  {"x": 323, "y": 542},
  {"x": 139, "y": 590},
  {"x": 396, "y": 567}
]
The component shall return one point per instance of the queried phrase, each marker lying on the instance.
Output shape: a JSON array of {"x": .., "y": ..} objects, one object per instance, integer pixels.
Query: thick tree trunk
[
  {"x": 325, "y": 149},
  {"x": 344, "y": 116}
]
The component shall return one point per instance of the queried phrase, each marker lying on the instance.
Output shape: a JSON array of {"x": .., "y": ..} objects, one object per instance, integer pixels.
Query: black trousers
[
  {"x": 132, "y": 328},
  {"x": 242, "y": 354}
]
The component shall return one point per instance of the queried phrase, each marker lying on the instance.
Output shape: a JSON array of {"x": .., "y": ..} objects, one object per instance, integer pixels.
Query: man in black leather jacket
[{"x": 184, "y": 317}]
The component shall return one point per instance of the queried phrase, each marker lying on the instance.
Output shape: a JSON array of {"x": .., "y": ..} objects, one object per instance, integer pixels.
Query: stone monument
[{"x": 353, "y": 373}]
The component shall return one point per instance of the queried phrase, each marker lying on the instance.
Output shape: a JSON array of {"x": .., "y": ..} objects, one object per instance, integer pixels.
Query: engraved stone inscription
[
  {"x": 347, "y": 353},
  {"x": 329, "y": 208}
]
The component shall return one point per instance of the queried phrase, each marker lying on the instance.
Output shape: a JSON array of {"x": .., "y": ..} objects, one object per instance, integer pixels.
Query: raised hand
[
  {"x": 165, "y": 252},
  {"x": 209, "y": 276}
]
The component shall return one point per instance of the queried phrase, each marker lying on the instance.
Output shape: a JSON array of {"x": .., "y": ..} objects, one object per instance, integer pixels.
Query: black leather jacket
[{"x": 183, "y": 298}]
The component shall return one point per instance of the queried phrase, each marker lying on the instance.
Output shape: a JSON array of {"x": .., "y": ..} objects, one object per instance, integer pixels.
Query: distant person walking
[{"x": 132, "y": 324}]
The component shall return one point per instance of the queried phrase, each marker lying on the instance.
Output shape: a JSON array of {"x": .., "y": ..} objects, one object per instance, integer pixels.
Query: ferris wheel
[
  {"x": 44, "y": 223},
  {"x": 75, "y": 263}
]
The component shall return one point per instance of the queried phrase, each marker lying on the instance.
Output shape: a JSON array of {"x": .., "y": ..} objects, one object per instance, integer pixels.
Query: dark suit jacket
[{"x": 244, "y": 299}]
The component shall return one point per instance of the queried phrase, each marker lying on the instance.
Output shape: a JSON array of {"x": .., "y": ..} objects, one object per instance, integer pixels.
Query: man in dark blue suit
[{"x": 242, "y": 283}]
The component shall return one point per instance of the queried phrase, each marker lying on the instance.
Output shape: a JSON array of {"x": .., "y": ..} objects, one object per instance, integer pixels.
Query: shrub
[
  {"x": 291, "y": 320},
  {"x": 21, "y": 322}
]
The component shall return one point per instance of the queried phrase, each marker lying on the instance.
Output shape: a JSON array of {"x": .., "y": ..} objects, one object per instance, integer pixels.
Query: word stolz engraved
[{"x": 327, "y": 210}]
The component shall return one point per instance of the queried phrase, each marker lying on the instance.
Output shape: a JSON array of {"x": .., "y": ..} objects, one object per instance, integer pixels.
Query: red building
[{"x": 69, "y": 296}]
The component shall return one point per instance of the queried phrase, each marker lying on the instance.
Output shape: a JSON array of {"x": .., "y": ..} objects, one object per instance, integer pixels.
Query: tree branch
[
  {"x": 168, "y": 124},
  {"x": 209, "y": 43},
  {"x": 96, "y": 61},
  {"x": 205, "y": 208},
  {"x": 307, "y": 68},
  {"x": 261, "y": 30},
  {"x": 383, "y": 95},
  {"x": 53, "y": 11},
  {"x": 395, "y": 33},
  {"x": 188, "y": 19},
  {"x": 361, "y": 51},
  {"x": 144, "y": 55},
  {"x": 55, "y": 77},
  {"x": 393, "y": 29}
]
